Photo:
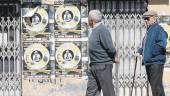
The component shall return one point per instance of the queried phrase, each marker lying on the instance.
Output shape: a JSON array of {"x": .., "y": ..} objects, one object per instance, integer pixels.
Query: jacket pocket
[{"x": 156, "y": 50}]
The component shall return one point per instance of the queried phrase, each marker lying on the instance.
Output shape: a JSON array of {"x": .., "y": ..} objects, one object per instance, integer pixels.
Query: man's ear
[{"x": 90, "y": 22}]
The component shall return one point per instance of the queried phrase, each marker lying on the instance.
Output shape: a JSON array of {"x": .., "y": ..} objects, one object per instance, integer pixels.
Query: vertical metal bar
[
  {"x": 124, "y": 50},
  {"x": 130, "y": 48},
  {"x": 135, "y": 39},
  {"x": 140, "y": 23},
  {"x": 8, "y": 55},
  {"x": 8, "y": 33},
  {"x": 2, "y": 26},
  {"x": 19, "y": 45},
  {"x": 7, "y": 68},
  {"x": 14, "y": 55},
  {"x": 8, "y": 46},
  {"x": 14, "y": 28},
  {"x": 117, "y": 65},
  {"x": 3, "y": 49}
]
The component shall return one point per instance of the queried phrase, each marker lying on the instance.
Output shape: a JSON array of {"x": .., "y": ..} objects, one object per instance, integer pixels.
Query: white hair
[{"x": 95, "y": 15}]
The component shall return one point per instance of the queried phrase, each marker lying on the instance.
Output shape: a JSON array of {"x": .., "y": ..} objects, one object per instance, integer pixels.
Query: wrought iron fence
[{"x": 10, "y": 65}]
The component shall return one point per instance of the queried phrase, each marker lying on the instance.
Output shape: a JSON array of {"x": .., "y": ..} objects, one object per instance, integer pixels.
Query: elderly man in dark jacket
[
  {"x": 154, "y": 52},
  {"x": 102, "y": 54}
]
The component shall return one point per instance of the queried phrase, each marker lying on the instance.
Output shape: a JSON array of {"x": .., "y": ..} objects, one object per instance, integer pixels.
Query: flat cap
[{"x": 150, "y": 13}]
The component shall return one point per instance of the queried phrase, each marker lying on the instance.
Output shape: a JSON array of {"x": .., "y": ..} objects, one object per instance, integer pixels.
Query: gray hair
[{"x": 95, "y": 15}]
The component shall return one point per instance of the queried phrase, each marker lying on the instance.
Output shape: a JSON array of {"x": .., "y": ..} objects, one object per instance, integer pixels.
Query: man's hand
[
  {"x": 117, "y": 58},
  {"x": 137, "y": 55}
]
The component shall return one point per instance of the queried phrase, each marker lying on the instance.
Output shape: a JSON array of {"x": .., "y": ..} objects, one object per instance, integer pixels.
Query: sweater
[{"x": 101, "y": 50}]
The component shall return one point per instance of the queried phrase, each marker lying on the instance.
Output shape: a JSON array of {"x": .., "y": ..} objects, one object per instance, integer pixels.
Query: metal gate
[
  {"x": 10, "y": 65},
  {"x": 127, "y": 31}
]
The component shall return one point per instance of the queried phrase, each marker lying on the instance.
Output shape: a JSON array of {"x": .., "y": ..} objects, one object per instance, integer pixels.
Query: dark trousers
[
  {"x": 100, "y": 78},
  {"x": 155, "y": 73}
]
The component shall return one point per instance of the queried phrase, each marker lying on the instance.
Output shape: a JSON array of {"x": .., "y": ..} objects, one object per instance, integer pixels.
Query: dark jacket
[
  {"x": 101, "y": 50},
  {"x": 154, "y": 45}
]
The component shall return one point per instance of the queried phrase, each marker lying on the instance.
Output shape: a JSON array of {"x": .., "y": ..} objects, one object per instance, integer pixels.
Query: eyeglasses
[{"x": 146, "y": 18}]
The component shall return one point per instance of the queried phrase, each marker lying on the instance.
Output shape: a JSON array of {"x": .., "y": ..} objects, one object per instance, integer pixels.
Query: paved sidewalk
[
  {"x": 70, "y": 86},
  {"x": 166, "y": 81}
]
